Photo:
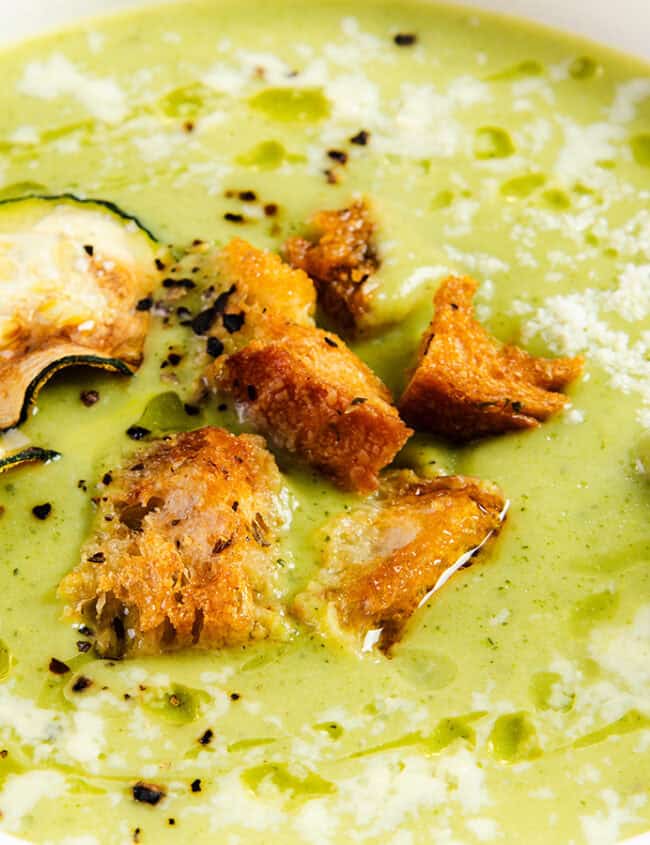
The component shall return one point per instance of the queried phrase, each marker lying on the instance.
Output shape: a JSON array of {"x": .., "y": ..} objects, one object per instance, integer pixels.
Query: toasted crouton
[
  {"x": 383, "y": 561},
  {"x": 309, "y": 393},
  {"x": 340, "y": 261},
  {"x": 242, "y": 290},
  {"x": 466, "y": 384},
  {"x": 182, "y": 552},
  {"x": 264, "y": 283}
]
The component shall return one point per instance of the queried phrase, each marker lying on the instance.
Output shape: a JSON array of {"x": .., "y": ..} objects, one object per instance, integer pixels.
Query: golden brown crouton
[
  {"x": 264, "y": 284},
  {"x": 340, "y": 261},
  {"x": 243, "y": 288},
  {"x": 385, "y": 559},
  {"x": 466, "y": 384},
  {"x": 308, "y": 392},
  {"x": 183, "y": 549}
]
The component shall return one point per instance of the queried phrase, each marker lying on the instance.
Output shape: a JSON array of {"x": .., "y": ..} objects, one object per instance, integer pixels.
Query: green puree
[{"x": 517, "y": 706}]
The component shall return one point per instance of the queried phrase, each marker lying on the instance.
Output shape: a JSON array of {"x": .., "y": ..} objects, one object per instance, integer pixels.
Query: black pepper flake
[
  {"x": 222, "y": 407},
  {"x": 191, "y": 410},
  {"x": 136, "y": 835},
  {"x": 270, "y": 209},
  {"x": 144, "y": 304},
  {"x": 361, "y": 138},
  {"x": 247, "y": 196},
  {"x": 174, "y": 359},
  {"x": 203, "y": 322},
  {"x": 233, "y": 322},
  {"x": 89, "y": 249},
  {"x": 98, "y": 557},
  {"x": 338, "y": 155},
  {"x": 195, "y": 786},
  {"x": 107, "y": 478},
  {"x": 197, "y": 242},
  {"x": 251, "y": 390},
  {"x": 89, "y": 397},
  {"x": 358, "y": 400},
  {"x": 58, "y": 667},
  {"x": 516, "y": 407},
  {"x": 171, "y": 822},
  {"x": 235, "y": 506},
  {"x": 83, "y": 646},
  {"x": 222, "y": 300},
  {"x": 214, "y": 347},
  {"x": 186, "y": 284},
  {"x": 235, "y": 696},
  {"x": 231, "y": 217},
  {"x": 405, "y": 39},
  {"x": 148, "y": 793},
  {"x": 331, "y": 177},
  {"x": 188, "y": 126},
  {"x": 330, "y": 342},
  {"x": 160, "y": 265},
  {"x": 42, "y": 511},
  {"x": 81, "y": 484},
  {"x": 82, "y": 683},
  {"x": 86, "y": 631},
  {"x": 137, "y": 468},
  {"x": 206, "y": 738},
  {"x": 137, "y": 432}
]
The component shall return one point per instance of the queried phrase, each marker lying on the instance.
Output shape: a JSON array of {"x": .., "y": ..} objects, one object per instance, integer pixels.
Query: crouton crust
[
  {"x": 265, "y": 284},
  {"x": 182, "y": 549},
  {"x": 309, "y": 393},
  {"x": 382, "y": 561},
  {"x": 340, "y": 260},
  {"x": 466, "y": 384}
]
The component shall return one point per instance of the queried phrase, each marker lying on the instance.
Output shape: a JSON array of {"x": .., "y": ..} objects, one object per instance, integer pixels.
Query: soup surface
[{"x": 517, "y": 706}]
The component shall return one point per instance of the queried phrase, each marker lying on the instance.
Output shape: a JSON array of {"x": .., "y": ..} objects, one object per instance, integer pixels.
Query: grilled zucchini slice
[{"x": 72, "y": 273}]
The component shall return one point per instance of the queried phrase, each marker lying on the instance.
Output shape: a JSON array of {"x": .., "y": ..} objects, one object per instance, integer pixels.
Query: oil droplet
[
  {"x": 332, "y": 729},
  {"x": 529, "y": 67},
  {"x": 640, "y": 145},
  {"x": 521, "y": 187},
  {"x": 549, "y": 692},
  {"x": 189, "y": 101},
  {"x": 164, "y": 413},
  {"x": 584, "y": 67},
  {"x": 514, "y": 738},
  {"x": 295, "y": 105},
  {"x": 443, "y": 199},
  {"x": 557, "y": 199},
  {"x": 492, "y": 142},
  {"x": 178, "y": 704},
  {"x": 5, "y": 661},
  {"x": 628, "y": 723},
  {"x": 599, "y": 607},
  {"x": 309, "y": 785},
  {"x": 267, "y": 155}
]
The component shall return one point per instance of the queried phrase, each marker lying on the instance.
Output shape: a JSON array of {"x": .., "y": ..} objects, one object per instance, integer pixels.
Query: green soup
[{"x": 517, "y": 707}]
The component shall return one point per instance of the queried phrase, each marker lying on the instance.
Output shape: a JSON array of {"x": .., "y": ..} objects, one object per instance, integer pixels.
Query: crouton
[
  {"x": 466, "y": 384},
  {"x": 340, "y": 261},
  {"x": 183, "y": 548},
  {"x": 383, "y": 560},
  {"x": 242, "y": 289},
  {"x": 309, "y": 393}
]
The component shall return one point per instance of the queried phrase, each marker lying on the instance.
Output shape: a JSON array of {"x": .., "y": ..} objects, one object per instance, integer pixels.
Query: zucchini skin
[
  {"x": 113, "y": 365},
  {"x": 108, "y": 205},
  {"x": 26, "y": 456}
]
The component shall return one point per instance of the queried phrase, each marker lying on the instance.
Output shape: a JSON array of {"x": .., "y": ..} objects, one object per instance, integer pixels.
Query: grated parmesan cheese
[{"x": 58, "y": 76}]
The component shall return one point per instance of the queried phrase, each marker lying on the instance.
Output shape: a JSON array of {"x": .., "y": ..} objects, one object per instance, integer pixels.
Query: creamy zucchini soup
[{"x": 325, "y": 391}]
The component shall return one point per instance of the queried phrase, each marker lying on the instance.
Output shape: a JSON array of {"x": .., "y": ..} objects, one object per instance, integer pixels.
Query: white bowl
[{"x": 625, "y": 27}]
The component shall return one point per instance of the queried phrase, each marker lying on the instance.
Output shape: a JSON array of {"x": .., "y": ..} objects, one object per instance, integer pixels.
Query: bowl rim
[{"x": 592, "y": 20}]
